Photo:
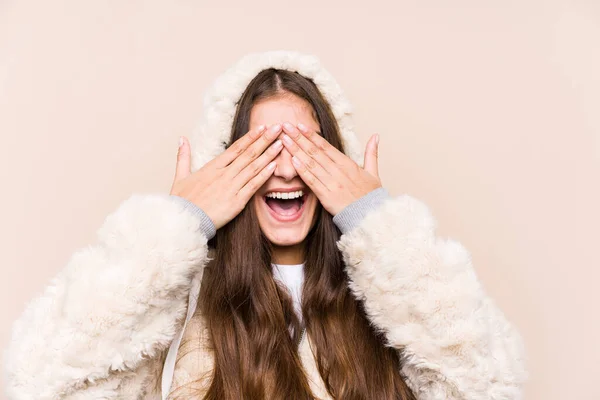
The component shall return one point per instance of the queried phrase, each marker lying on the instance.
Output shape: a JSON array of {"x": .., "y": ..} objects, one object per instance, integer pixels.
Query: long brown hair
[{"x": 248, "y": 314}]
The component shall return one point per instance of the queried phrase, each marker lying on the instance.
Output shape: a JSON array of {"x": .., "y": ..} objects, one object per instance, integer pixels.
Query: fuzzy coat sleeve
[
  {"x": 113, "y": 307},
  {"x": 422, "y": 292}
]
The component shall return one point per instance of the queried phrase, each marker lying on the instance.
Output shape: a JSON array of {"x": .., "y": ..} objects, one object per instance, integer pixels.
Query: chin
[
  {"x": 283, "y": 239},
  {"x": 286, "y": 230}
]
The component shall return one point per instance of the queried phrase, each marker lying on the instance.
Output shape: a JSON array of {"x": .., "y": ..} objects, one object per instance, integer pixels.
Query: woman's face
[{"x": 285, "y": 222}]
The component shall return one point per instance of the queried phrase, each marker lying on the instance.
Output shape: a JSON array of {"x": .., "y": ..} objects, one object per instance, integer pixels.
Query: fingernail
[
  {"x": 180, "y": 141},
  {"x": 377, "y": 138},
  {"x": 260, "y": 128},
  {"x": 277, "y": 145},
  {"x": 296, "y": 161},
  {"x": 302, "y": 127},
  {"x": 271, "y": 165},
  {"x": 287, "y": 139},
  {"x": 275, "y": 128},
  {"x": 288, "y": 126}
]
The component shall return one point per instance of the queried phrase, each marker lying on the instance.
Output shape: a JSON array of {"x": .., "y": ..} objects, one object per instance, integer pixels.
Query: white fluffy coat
[{"x": 102, "y": 327}]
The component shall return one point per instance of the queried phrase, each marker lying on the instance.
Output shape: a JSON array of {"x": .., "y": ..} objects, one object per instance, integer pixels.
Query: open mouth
[{"x": 284, "y": 209}]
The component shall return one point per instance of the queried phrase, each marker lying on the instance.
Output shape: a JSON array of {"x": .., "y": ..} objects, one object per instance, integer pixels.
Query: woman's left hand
[{"x": 332, "y": 176}]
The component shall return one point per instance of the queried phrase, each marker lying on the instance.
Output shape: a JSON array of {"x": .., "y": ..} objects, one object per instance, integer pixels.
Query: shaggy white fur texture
[
  {"x": 112, "y": 309},
  {"x": 422, "y": 292},
  {"x": 101, "y": 328}
]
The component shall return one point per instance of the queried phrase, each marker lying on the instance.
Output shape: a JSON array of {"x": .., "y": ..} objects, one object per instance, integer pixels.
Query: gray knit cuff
[
  {"x": 206, "y": 225},
  {"x": 354, "y": 213}
]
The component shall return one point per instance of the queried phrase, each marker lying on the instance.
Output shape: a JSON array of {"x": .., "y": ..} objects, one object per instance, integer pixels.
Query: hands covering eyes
[{"x": 223, "y": 186}]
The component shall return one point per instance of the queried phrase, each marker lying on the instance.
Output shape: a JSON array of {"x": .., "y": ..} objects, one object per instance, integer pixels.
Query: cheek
[
  {"x": 314, "y": 209},
  {"x": 255, "y": 202},
  {"x": 258, "y": 203}
]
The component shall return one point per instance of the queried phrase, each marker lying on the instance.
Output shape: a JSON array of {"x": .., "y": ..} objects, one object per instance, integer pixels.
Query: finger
[
  {"x": 253, "y": 151},
  {"x": 308, "y": 162},
  {"x": 309, "y": 178},
  {"x": 183, "y": 166},
  {"x": 238, "y": 147},
  {"x": 312, "y": 150},
  {"x": 248, "y": 190},
  {"x": 257, "y": 165},
  {"x": 371, "y": 164},
  {"x": 336, "y": 156}
]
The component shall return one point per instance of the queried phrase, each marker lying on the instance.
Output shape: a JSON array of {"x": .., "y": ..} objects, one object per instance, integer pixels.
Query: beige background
[{"x": 488, "y": 111}]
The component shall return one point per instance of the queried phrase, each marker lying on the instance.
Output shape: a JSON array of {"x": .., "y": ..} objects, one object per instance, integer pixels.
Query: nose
[{"x": 285, "y": 169}]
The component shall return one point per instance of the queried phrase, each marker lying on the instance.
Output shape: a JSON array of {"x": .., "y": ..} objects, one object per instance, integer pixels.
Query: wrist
[
  {"x": 355, "y": 212},
  {"x": 206, "y": 225}
]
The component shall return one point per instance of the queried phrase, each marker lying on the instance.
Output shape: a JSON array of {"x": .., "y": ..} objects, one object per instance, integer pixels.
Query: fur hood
[{"x": 214, "y": 130}]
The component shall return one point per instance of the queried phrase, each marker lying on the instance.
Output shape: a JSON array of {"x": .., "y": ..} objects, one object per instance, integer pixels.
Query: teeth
[{"x": 287, "y": 195}]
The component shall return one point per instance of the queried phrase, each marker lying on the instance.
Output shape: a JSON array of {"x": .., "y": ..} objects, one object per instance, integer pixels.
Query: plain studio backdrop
[{"x": 488, "y": 111}]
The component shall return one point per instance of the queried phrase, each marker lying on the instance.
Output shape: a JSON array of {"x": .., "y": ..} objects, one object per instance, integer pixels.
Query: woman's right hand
[{"x": 223, "y": 186}]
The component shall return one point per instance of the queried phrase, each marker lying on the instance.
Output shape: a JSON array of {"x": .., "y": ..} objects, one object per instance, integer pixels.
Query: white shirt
[{"x": 292, "y": 276}]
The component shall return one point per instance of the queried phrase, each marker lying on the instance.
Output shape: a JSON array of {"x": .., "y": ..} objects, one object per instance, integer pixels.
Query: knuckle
[
  {"x": 255, "y": 168},
  {"x": 252, "y": 153},
  {"x": 235, "y": 200},
  {"x": 312, "y": 151},
  {"x": 266, "y": 138},
  {"x": 253, "y": 185},
  {"x": 237, "y": 148},
  {"x": 238, "y": 196},
  {"x": 311, "y": 164}
]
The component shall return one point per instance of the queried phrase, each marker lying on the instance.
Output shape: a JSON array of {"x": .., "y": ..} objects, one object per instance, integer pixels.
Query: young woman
[{"x": 277, "y": 268}]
